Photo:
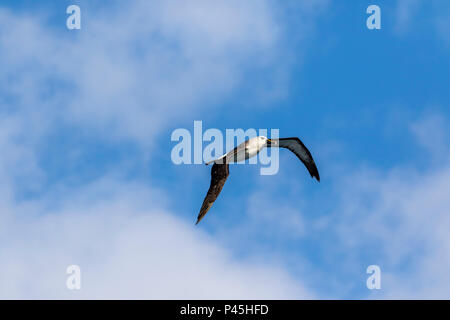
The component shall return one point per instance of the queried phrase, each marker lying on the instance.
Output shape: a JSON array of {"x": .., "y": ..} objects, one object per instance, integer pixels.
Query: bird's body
[
  {"x": 242, "y": 152},
  {"x": 247, "y": 150}
]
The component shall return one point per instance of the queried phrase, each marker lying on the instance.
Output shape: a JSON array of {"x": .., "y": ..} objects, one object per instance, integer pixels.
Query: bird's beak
[{"x": 269, "y": 142}]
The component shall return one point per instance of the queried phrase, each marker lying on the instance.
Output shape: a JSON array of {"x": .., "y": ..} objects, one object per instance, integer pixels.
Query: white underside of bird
[{"x": 244, "y": 151}]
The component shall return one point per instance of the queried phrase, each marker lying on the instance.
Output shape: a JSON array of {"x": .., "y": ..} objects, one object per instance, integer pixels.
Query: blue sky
[{"x": 87, "y": 177}]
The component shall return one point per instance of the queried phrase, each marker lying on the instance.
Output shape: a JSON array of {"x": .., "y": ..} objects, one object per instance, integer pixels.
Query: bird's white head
[{"x": 264, "y": 140}]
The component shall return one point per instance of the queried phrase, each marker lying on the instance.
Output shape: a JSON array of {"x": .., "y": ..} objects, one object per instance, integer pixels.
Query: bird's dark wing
[
  {"x": 219, "y": 174},
  {"x": 299, "y": 149}
]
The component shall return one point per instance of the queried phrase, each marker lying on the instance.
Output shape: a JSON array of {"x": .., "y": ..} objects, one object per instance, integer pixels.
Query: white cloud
[
  {"x": 431, "y": 134},
  {"x": 132, "y": 70},
  {"x": 397, "y": 217},
  {"x": 128, "y": 73},
  {"x": 127, "y": 246},
  {"x": 401, "y": 216}
]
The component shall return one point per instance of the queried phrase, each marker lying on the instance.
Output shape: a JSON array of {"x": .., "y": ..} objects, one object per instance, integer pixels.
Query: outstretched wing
[
  {"x": 219, "y": 174},
  {"x": 299, "y": 149}
]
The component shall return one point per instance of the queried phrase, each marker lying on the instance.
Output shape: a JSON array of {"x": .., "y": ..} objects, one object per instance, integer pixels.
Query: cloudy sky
[{"x": 86, "y": 176}]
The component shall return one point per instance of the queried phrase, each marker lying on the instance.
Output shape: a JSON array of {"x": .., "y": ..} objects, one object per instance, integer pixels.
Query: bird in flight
[{"x": 247, "y": 150}]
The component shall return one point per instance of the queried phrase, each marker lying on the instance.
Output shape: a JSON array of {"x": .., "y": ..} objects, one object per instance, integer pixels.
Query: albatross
[{"x": 247, "y": 150}]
